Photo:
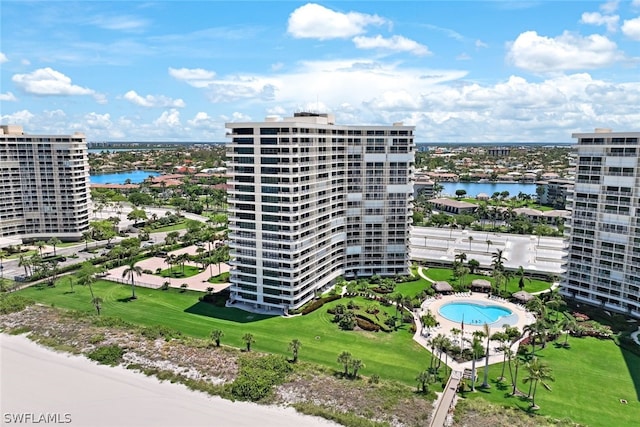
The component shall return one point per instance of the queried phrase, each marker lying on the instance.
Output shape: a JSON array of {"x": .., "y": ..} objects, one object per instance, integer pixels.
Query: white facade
[
  {"x": 44, "y": 185},
  {"x": 311, "y": 201},
  {"x": 604, "y": 249}
]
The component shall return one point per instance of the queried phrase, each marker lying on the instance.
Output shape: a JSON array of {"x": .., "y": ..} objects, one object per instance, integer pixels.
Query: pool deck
[{"x": 520, "y": 318}]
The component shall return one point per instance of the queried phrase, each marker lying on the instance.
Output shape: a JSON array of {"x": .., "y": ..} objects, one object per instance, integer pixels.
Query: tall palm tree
[
  {"x": 568, "y": 325},
  {"x": 130, "y": 272},
  {"x": 489, "y": 243},
  {"x": 538, "y": 372},
  {"x": 294, "y": 347},
  {"x": 423, "y": 378},
  {"x": 40, "y": 244},
  {"x": 487, "y": 332},
  {"x": 54, "y": 241},
  {"x": 85, "y": 277},
  {"x": 498, "y": 260},
  {"x": 476, "y": 351},
  {"x": 23, "y": 261},
  {"x": 521, "y": 278}
]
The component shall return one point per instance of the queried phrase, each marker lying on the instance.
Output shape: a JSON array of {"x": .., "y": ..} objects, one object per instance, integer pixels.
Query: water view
[
  {"x": 136, "y": 177},
  {"x": 475, "y": 188}
]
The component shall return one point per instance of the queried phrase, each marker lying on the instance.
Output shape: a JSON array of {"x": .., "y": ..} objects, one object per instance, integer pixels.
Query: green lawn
[
  {"x": 26, "y": 254},
  {"x": 590, "y": 379},
  {"x": 446, "y": 274},
  {"x": 411, "y": 289},
  {"x": 220, "y": 278},
  {"x": 390, "y": 355},
  {"x": 177, "y": 271},
  {"x": 174, "y": 227}
]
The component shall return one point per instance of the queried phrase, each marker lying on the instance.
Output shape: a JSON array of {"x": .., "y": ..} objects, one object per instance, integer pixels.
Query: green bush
[
  {"x": 160, "y": 331},
  {"x": 11, "y": 303},
  {"x": 107, "y": 355},
  {"x": 314, "y": 305},
  {"x": 258, "y": 375}
]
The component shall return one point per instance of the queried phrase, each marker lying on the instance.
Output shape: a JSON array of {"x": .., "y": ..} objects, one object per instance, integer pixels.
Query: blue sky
[{"x": 459, "y": 71}]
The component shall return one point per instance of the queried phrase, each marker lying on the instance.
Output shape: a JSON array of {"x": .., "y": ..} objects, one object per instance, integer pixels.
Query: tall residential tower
[
  {"x": 44, "y": 186},
  {"x": 311, "y": 201},
  {"x": 604, "y": 233}
]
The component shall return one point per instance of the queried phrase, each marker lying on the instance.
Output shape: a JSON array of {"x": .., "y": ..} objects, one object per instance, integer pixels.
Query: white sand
[{"x": 37, "y": 380}]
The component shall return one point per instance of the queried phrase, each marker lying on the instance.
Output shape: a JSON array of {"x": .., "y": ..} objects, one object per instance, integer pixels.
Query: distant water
[
  {"x": 475, "y": 188},
  {"x": 136, "y": 177}
]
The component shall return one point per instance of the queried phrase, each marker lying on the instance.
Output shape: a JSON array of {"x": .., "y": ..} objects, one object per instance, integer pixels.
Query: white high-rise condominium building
[
  {"x": 44, "y": 186},
  {"x": 311, "y": 201},
  {"x": 603, "y": 267}
]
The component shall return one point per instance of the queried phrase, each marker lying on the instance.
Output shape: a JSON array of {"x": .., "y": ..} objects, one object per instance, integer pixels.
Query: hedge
[{"x": 319, "y": 303}]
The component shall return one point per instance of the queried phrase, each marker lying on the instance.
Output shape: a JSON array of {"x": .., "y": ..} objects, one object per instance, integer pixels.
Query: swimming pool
[{"x": 473, "y": 313}]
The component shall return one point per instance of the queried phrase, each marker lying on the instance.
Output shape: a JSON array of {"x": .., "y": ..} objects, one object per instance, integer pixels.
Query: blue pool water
[
  {"x": 475, "y": 188},
  {"x": 472, "y": 313},
  {"x": 136, "y": 177}
]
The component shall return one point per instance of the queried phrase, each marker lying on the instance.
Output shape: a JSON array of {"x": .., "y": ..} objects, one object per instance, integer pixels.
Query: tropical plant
[
  {"x": 538, "y": 372},
  {"x": 476, "y": 351},
  {"x": 54, "y": 241},
  {"x": 423, "y": 379},
  {"x": 216, "y": 335},
  {"x": 294, "y": 347},
  {"x": 248, "y": 340},
  {"x": 344, "y": 359},
  {"x": 356, "y": 365},
  {"x": 487, "y": 332},
  {"x": 130, "y": 272}
]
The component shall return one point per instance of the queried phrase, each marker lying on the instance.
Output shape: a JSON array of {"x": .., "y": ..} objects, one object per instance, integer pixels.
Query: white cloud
[
  {"x": 98, "y": 121},
  {"x": 3, "y": 58},
  {"x": 631, "y": 28},
  {"x": 25, "y": 62},
  {"x": 635, "y": 3},
  {"x": 203, "y": 120},
  {"x": 595, "y": 18},
  {"x": 480, "y": 44},
  {"x": 191, "y": 73},
  {"x": 9, "y": 97},
  {"x": 566, "y": 52},
  {"x": 119, "y": 23},
  {"x": 277, "y": 66},
  {"x": 153, "y": 100},
  {"x": 463, "y": 57},
  {"x": 610, "y": 6},
  {"x": 394, "y": 43},
  {"x": 49, "y": 82},
  {"x": 22, "y": 117},
  {"x": 170, "y": 119},
  {"x": 318, "y": 22}
]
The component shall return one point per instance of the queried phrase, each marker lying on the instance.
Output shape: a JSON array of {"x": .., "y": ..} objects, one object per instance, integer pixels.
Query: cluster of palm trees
[{"x": 350, "y": 365}]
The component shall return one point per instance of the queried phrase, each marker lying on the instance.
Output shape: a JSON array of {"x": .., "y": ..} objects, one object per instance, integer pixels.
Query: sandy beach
[{"x": 74, "y": 390}]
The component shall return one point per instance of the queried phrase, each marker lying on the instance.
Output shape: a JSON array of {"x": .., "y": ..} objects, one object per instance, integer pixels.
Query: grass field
[
  {"x": 446, "y": 274},
  {"x": 178, "y": 272},
  {"x": 590, "y": 379},
  {"x": 391, "y": 355},
  {"x": 174, "y": 227}
]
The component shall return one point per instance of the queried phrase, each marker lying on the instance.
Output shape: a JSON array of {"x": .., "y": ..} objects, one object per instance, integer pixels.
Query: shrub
[
  {"x": 160, "y": 331},
  {"x": 366, "y": 325},
  {"x": 107, "y": 355},
  {"x": 258, "y": 375},
  {"x": 13, "y": 303},
  {"x": 314, "y": 305}
]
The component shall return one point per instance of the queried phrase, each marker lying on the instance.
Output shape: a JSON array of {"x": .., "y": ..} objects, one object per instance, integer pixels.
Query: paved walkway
[
  {"x": 199, "y": 282},
  {"x": 445, "y": 401}
]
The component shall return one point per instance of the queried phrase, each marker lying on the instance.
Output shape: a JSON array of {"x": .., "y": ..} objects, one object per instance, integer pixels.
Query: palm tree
[
  {"x": 40, "y": 245},
  {"x": 498, "y": 260},
  {"x": 538, "y": 372},
  {"x": 356, "y": 365},
  {"x": 294, "y": 347},
  {"x": 476, "y": 351},
  {"x": 504, "y": 347},
  {"x": 423, "y": 379},
  {"x": 537, "y": 329},
  {"x": 54, "y": 241},
  {"x": 344, "y": 358},
  {"x": 170, "y": 261},
  {"x": 216, "y": 334},
  {"x": 86, "y": 236},
  {"x": 85, "y": 277},
  {"x": 461, "y": 257},
  {"x": 470, "y": 240},
  {"x": 568, "y": 324},
  {"x": 489, "y": 243},
  {"x": 130, "y": 272},
  {"x": 514, "y": 378},
  {"x": 23, "y": 261},
  {"x": 248, "y": 340},
  {"x": 522, "y": 278},
  {"x": 485, "y": 381}
]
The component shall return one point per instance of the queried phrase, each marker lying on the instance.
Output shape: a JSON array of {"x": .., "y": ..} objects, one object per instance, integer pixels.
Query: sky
[{"x": 459, "y": 71}]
